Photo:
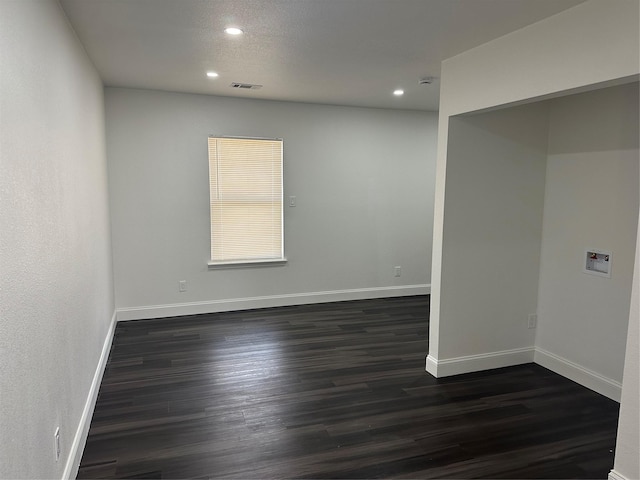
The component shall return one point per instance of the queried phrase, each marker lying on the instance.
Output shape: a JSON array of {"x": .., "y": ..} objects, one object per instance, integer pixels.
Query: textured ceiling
[{"x": 340, "y": 52}]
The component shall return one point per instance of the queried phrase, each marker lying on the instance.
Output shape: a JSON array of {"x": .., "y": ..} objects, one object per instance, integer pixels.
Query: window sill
[{"x": 276, "y": 262}]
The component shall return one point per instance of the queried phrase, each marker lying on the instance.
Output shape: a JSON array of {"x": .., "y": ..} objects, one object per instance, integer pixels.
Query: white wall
[
  {"x": 363, "y": 179},
  {"x": 56, "y": 294},
  {"x": 591, "y": 201},
  {"x": 593, "y": 43},
  {"x": 492, "y": 230},
  {"x": 627, "y": 462},
  {"x": 493, "y": 234}
]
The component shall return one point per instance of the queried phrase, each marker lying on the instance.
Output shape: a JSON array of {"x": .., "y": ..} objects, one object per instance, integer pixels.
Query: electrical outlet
[
  {"x": 56, "y": 443},
  {"x": 182, "y": 285},
  {"x": 397, "y": 271},
  {"x": 532, "y": 321}
]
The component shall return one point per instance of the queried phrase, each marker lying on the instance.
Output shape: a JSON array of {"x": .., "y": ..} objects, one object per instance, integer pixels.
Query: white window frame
[{"x": 246, "y": 262}]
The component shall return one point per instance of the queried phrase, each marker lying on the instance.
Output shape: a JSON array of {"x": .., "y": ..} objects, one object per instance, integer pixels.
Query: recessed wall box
[{"x": 597, "y": 262}]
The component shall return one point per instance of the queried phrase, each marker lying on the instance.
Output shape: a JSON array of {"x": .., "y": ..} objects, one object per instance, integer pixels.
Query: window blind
[{"x": 245, "y": 180}]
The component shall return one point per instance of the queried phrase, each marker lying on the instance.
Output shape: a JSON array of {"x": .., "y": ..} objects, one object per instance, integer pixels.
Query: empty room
[{"x": 319, "y": 239}]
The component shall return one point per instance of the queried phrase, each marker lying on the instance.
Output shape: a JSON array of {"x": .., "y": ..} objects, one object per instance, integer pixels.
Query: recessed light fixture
[
  {"x": 212, "y": 74},
  {"x": 399, "y": 92},
  {"x": 233, "y": 31}
]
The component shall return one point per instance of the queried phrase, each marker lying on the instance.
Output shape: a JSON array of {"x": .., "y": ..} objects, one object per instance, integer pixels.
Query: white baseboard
[
  {"x": 432, "y": 365},
  {"x": 80, "y": 438},
  {"x": 579, "y": 374},
  {"x": 613, "y": 475},
  {"x": 474, "y": 363},
  {"x": 213, "y": 306}
]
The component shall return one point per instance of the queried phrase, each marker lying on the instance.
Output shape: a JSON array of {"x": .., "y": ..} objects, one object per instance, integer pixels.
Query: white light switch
[{"x": 292, "y": 201}]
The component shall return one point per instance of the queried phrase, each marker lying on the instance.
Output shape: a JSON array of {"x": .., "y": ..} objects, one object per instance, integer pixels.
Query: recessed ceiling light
[
  {"x": 233, "y": 31},
  {"x": 398, "y": 92},
  {"x": 212, "y": 74}
]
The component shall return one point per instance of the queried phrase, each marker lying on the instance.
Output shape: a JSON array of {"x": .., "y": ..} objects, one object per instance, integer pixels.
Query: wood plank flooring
[{"x": 331, "y": 391}]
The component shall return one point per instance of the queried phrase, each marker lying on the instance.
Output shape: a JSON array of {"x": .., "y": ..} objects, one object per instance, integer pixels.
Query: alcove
[{"x": 529, "y": 189}]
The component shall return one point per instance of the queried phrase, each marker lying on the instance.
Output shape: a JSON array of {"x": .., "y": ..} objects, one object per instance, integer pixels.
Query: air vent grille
[{"x": 245, "y": 86}]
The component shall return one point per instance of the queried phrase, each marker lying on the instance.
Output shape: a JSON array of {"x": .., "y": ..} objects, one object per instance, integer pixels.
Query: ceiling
[{"x": 338, "y": 52}]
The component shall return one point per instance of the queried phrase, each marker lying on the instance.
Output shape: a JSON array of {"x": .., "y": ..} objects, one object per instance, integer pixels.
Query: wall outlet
[
  {"x": 56, "y": 443},
  {"x": 397, "y": 271},
  {"x": 182, "y": 286},
  {"x": 532, "y": 321}
]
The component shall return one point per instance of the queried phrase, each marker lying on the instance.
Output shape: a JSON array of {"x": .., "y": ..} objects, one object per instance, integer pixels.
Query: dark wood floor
[{"x": 331, "y": 391}]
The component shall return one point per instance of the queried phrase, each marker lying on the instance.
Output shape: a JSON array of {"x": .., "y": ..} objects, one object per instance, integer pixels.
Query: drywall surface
[
  {"x": 362, "y": 178},
  {"x": 591, "y": 44},
  {"x": 591, "y": 201},
  {"x": 627, "y": 463},
  {"x": 56, "y": 294},
  {"x": 492, "y": 230}
]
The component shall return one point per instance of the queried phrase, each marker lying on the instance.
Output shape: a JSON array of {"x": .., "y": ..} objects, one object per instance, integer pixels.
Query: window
[{"x": 245, "y": 182}]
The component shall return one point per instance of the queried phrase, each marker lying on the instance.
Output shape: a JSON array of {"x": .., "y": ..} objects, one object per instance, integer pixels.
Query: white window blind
[{"x": 245, "y": 180}]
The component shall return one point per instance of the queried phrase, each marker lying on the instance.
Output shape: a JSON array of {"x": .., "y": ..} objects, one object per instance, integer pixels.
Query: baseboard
[
  {"x": 613, "y": 475},
  {"x": 80, "y": 438},
  {"x": 475, "y": 363},
  {"x": 432, "y": 365},
  {"x": 579, "y": 374},
  {"x": 214, "y": 306}
]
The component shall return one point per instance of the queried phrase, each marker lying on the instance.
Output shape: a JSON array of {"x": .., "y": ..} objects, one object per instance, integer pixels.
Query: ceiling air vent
[{"x": 245, "y": 86}]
